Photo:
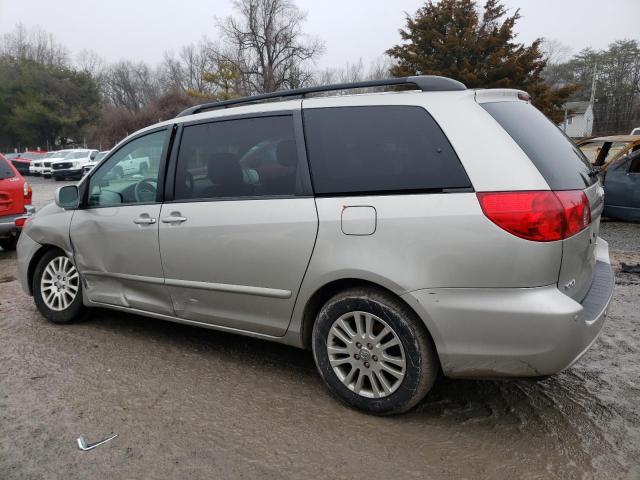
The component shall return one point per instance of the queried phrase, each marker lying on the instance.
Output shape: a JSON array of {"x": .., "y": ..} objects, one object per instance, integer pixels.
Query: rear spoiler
[{"x": 501, "y": 95}]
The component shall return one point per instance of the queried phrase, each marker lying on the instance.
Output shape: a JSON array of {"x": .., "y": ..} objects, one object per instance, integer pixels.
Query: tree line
[{"x": 49, "y": 99}]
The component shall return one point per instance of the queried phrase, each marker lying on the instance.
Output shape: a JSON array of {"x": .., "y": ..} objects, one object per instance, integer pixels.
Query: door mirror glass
[{"x": 68, "y": 197}]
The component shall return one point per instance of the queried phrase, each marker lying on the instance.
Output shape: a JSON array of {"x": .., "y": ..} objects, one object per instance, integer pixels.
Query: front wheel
[
  {"x": 57, "y": 289},
  {"x": 373, "y": 351}
]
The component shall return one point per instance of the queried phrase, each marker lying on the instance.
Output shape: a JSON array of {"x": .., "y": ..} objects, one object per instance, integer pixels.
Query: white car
[
  {"x": 37, "y": 166},
  {"x": 89, "y": 165},
  {"x": 635, "y": 131},
  {"x": 47, "y": 162},
  {"x": 72, "y": 164}
]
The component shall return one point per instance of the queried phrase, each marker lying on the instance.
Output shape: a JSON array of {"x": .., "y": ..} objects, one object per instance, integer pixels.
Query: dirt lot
[{"x": 191, "y": 403}]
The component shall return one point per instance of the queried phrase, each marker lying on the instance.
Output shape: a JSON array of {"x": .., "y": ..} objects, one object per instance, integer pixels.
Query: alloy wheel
[
  {"x": 366, "y": 354},
  {"x": 59, "y": 284}
]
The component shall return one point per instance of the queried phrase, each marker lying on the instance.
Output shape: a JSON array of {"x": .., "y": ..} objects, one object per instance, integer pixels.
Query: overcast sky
[{"x": 352, "y": 29}]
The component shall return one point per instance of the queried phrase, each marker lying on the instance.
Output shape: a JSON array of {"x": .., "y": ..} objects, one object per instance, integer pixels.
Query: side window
[
  {"x": 130, "y": 175},
  {"x": 379, "y": 149},
  {"x": 634, "y": 167},
  {"x": 237, "y": 158}
]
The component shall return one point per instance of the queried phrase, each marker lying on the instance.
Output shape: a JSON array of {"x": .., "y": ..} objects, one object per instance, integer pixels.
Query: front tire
[
  {"x": 373, "y": 352},
  {"x": 57, "y": 289}
]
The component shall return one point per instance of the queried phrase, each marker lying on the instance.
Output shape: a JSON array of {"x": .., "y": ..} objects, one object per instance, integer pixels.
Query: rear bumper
[
  {"x": 514, "y": 332},
  {"x": 67, "y": 172},
  {"x": 8, "y": 223}
]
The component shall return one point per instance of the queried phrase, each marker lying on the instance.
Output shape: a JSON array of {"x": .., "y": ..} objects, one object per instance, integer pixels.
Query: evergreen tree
[{"x": 453, "y": 38}]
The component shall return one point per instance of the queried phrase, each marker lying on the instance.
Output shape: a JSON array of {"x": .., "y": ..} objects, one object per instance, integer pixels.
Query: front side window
[
  {"x": 377, "y": 149},
  {"x": 130, "y": 175},
  {"x": 237, "y": 158}
]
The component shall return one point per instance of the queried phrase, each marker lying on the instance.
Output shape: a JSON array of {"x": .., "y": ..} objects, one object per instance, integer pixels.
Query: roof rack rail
[{"x": 426, "y": 83}]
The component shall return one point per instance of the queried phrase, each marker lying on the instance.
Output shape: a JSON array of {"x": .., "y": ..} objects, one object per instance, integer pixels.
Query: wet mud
[{"x": 192, "y": 403}]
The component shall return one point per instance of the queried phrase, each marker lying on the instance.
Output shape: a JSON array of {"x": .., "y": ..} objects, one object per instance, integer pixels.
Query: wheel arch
[
  {"x": 320, "y": 296},
  {"x": 33, "y": 263}
]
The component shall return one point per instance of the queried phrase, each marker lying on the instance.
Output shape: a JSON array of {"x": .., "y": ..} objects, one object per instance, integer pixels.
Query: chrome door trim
[
  {"x": 219, "y": 287},
  {"x": 225, "y": 287},
  {"x": 125, "y": 276}
]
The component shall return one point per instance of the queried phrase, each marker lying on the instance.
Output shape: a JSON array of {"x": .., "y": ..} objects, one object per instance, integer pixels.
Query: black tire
[
  {"x": 76, "y": 310},
  {"x": 58, "y": 179},
  {"x": 422, "y": 365},
  {"x": 8, "y": 244}
]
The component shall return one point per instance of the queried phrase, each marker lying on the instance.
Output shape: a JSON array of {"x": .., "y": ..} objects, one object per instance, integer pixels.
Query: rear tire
[
  {"x": 57, "y": 289},
  {"x": 369, "y": 333},
  {"x": 8, "y": 244}
]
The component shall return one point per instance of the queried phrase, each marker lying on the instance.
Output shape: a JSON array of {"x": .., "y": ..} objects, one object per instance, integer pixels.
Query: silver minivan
[{"x": 396, "y": 234}]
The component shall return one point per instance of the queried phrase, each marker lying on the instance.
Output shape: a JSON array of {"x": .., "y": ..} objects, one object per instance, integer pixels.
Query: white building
[{"x": 578, "y": 119}]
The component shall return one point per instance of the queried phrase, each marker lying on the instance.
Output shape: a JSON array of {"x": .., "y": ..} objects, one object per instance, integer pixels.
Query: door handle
[
  {"x": 175, "y": 217},
  {"x": 144, "y": 221}
]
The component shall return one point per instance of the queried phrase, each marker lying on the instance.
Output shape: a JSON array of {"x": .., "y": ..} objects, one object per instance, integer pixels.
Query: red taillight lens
[
  {"x": 27, "y": 193},
  {"x": 19, "y": 222},
  {"x": 541, "y": 216},
  {"x": 577, "y": 211}
]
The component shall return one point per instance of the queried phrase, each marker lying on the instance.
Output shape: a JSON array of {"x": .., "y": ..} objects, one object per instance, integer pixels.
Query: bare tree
[
  {"x": 555, "y": 51},
  {"x": 90, "y": 62},
  {"x": 266, "y": 44},
  {"x": 33, "y": 44},
  {"x": 187, "y": 71},
  {"x": 130, "y": 85}
]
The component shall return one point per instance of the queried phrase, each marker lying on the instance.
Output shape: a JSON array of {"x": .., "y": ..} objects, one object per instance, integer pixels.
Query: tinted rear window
[
  {"x": 379, "y": 149},
  {"x": 560, "y": 162},
  {"x": 5, "y": 170}
]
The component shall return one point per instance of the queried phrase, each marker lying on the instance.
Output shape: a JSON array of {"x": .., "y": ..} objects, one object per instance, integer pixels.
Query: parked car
[
  {"x": 635, "y": 131},
  {"x": 389, "y": 237},
  {"x": 603, "y": 151},
  {"x": 89, "y": 165},
  {"x": 71, "y": 165},
  {"x": 15, "y": 203},
  {"x": 22, "y": 161},
  {"x": 622, "y": 188},
  {"x": 42, "y": 166}
]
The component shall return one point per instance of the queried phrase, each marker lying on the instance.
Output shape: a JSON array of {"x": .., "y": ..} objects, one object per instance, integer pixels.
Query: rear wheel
[
  {"x": 8, "y": 243},
  {"x": 373, "y": 351},
  {"x": 57, "y": 289}
]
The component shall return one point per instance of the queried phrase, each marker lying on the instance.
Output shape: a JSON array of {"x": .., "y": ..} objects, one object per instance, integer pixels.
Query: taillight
[
  {"x": 26, "y": 188},
  {"x": 19, "y": 222},
  {"x": 541, "y": 216}
]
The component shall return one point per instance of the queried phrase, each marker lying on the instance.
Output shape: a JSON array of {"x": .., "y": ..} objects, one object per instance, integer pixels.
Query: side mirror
[{"x": 68, "y": 197}]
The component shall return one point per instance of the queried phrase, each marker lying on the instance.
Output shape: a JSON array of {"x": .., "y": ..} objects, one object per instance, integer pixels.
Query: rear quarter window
[
  {"x": 557, "y": 158},
  {"x": 5, "y": 170},
  {"x": 378, "y": 149}
]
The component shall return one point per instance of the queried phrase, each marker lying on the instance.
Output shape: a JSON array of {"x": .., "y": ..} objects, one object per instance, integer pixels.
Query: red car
[{"x": 15, "y": 204}]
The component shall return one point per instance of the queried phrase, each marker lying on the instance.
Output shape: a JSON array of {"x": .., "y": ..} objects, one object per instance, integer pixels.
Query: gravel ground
[{"x": 193, "y": 403}]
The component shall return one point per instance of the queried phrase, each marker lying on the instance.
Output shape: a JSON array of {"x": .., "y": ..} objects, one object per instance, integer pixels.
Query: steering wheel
[{"x": 145, "y": 190}]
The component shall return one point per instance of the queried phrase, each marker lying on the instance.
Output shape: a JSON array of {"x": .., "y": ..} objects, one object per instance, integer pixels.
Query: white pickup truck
[{"x": 72, "y": 164}]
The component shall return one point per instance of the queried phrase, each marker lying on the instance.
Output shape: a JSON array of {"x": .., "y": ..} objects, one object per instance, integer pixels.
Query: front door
[
  {"x": 115, "y": 233},
  {"x": 237, "y": 238}
]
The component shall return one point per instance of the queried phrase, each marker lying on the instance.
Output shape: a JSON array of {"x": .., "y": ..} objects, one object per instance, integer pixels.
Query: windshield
[
  {"x": 75, "y": 154},
  {"x": 31, "y": 155},
  {"x": 59, "y": 153}
]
